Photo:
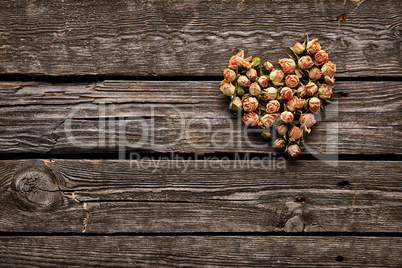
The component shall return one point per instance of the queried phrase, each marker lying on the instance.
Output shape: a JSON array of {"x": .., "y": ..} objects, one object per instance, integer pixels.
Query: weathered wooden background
[{"x": 155, "y": 66}]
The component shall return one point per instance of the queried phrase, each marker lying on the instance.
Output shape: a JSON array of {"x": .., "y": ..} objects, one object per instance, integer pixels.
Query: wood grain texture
[
  {"x": 193, "y": 251},
  {"x": 192, "y": 37},
  {"x": 182, "y": 116},
  {"x": 217, "y": 195}
]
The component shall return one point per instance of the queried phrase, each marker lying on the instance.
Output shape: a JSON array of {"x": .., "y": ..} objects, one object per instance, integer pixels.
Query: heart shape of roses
[{"x": 285, "y": 99}]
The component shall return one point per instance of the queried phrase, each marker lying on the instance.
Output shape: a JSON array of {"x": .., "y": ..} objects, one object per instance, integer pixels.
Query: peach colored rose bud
[
  {"x": 301, "y": 91},
  {"x": 328, "y": 69},
  {"x": 268, "y": 66},
  {"x": 250, "y": 119},
  {"x": 320, "y": 57},
  {"x": 314, "y": 104},
  {"x": 276, "y": 77},
  {"x": 314, "y": 74},
  {"x": 243, "y": 81},
  {"x": 287, "y": 117},
  {"x": 273, "y": 106},
  {"x": 269, "y": 94},
  {"x": 281, "y": 130},
  {"x": 291, "y": 104},
  {"x": 279, "y": 143},
  {"x": 305, "y": 62},
  {"x": 286, "y": 93},
  {"x": 293, "y": 150},
  {"x": 250, "y": 104},
  {"x": 313, "y": 46},
  {"x": 267, "y": 120},
  {"x": 228, "y": 89},
  {"x": 298, "y": 48},
  {"x": 295, "y": 133},
  {"x": 251, "y": 74},
  {"x": 292, "y": 81},
  {"x": 300, "y": 103},
  {"x": 229, "y": 75},
  {"x": 307, "y": 121},
  {"x": 265, "y": 134},
  {"x": 235, "y": 104},
  {"x": 329, "y": 80},
  {"x": 288, "y": 65},
  {"x": 254, "y": 89},
  {"x": 326, "y": 91},
  {"x": 263, "y": 81},
  {"x": 311, "y": 88},
  {"x": 238, "y": 60}
]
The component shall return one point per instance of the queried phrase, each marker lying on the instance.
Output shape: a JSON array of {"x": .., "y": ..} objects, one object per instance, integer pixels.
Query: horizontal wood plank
[
  {"x": 217, "y": 195},
  {"x": 196, "y": 251},
  {"x": 192, "y": 37}
]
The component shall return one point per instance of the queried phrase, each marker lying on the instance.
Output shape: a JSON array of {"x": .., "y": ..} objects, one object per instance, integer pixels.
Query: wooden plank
[
  {"x": 216, "y": 195},
  {"x": 186, "y": 116},
  {"x": 192, "y": 37},
  {"x": 200, "y": 251}
]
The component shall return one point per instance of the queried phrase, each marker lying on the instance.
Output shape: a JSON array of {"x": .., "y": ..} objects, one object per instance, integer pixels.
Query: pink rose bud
[
  {"x": 305, "y": 62},
  {"x": 329, "y": 80},
  {"x": 288, "y": 65},
  {"x": 301, "y": 91},
  {"x": 291, "y": 104},
  {"x": 254, "y": 89},
  {"x": 313, "y": 46},
  {"x": 292, "y": 81},
  {"x": 267, "y": 120},
  {"x": 314, "y": 74},
  {"x": 228, "y": 89},
  {"x": 268, "y": 66},
  {"x": 295, "y": 133},
  {"x": 279, "y": 143},
  {"x": 250, "y": 119},
  {"x": 236, "y": 60},
  {"x": 263, "y": 81},
  {"x": 273, "y": 106},
  {"x": 300, "y": 103},
  {"x": 307, "y": 121},
  {"x": 276, "y": 77},
  {"x": 326, "y": 91},
  {"x": 314, "y": 104},
  {"x": 328, "y": 69},
  {"x": 311, "y": 88},
  {"x": 298, "y": 48},
  {"x": 286, "y": 93},
  {"x": 235, "y": 104},
  {"x": 251, "y": 74},
  {"x": 320, "y": 57},
  {"x": 229, "y": 75},
  {"x": 250, "y": 104},
  {"x": 282, "y": 130},
  {"x": 243, "y": 81},
  {"x": 287, "y": 117},
  {"x": 293, "y": 150},
  {"x": 269, "y": 94}
]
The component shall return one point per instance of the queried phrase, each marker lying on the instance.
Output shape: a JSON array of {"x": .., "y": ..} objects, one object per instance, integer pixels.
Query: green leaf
[
  {"x": 256, "y": 61},
  {"x": 305, "y": 105},
  {"x": 327, "y": 100}
]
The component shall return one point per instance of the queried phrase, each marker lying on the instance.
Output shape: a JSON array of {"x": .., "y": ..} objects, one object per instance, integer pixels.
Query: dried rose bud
[
  {"x": 320, "y": 57},
  {"x": 229, "y": 75},
  {"x": 293, "y": 150},
  {"x": 273, "y": 106},
  {"x": 295, "y": 133},
  {"x": 250, "y": 104},
  {"x": 292, "y": 81},
  {"x": 305, "y": 62},
  {"x": 313, "y": 46},
  {"x": 240, "y": 91},
  {"x": 265, "y": 134},
  {"x": 228, "y": 89},
  {"x": 276, "y": 77},
  {"x": 268, "y": 66},
  {"x": 243, "y": 81},
  {"x": 263, "y": 81},
  {"x": 311, "y": 88},
  {"x": 307, "y": 121},
  {"x": 326, "y": 91},
  {"x": 250, "y": 119},
  {"x": 328, "y": 69},
  {"x": 301, "y": 91},
  {"x": 314, "y": 74},
  {"x": 298, "y": 48},
  {"x": 251, "y": 74},
  {"x": 254, "y": 89},
  {"x": 329, "y": 80},
  {"x": 238, "y": 60},
  {"x": 291, "y": 104},
  {"x": 280, "y": 143},
  {"x": 314, "y": 104},
  {"x": 235, "y": 104},
  {"x": 286, "y": 93},
  {"x": 267, "y": 120},
  {"x": 269, "y": 94},
  {"x": 287, "y": 117},
  {"x": 300, "y": 103},
  {"x": 288, "y": 65},
  {"x": 282, "y": 130}
]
